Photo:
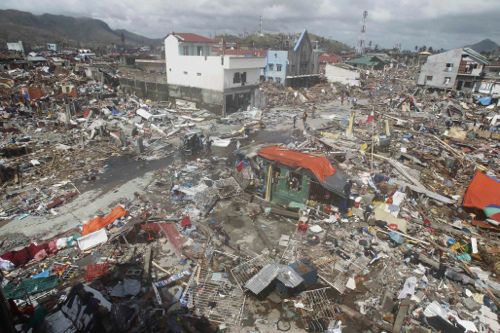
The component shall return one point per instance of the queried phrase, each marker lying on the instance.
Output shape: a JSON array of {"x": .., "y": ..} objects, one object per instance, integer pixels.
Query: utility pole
[{"x": 373, "y": 142}]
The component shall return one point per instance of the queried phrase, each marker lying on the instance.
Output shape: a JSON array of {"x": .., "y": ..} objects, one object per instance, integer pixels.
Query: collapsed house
[
  {"x": 294, "y": 178},
  {"x": 459, "y": 69}
]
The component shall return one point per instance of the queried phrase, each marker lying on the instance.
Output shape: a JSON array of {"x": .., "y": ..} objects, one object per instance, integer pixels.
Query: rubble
[{"x": 121, "y": 214}]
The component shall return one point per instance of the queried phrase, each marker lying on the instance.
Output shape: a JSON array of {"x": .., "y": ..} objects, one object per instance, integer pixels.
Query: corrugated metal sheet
[
  {"x": 263, "y": 278},
  {"x": 268, "y": 273},
  {"x": 289, "y": 277}
]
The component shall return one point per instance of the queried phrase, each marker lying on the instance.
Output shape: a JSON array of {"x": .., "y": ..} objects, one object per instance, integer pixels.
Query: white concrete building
[
  {"x": 15, "y": 46},
  {"x": 490, "y": 82},
  {"x": 221, "y": 83},
  {"x": 342, "y": 73}
]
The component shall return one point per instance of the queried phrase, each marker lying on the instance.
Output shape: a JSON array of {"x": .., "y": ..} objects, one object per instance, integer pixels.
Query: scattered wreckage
[{"x": 127, "y": 215}]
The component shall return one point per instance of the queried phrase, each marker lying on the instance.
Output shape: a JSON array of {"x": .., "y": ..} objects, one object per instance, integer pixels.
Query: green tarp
[{"x": 30, "y": 287}]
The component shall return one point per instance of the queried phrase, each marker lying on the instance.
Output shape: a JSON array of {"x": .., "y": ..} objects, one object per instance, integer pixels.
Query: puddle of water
[
  {"x": 268, "y": 136},
  {"x": 120, "y": 169}
]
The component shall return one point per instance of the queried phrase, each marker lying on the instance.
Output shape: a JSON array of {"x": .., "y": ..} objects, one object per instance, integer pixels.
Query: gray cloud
[{"x": 443, "y": 23}]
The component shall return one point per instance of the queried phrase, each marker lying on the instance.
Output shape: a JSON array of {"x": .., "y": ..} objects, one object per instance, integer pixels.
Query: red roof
[
  {"x": 483, "y": 191},
  {"x": 242, "y": 52},
  {"x": 329, "y": 58},
  {"x": 320, "y": 166},
  {"x": 193, "y": 38}
]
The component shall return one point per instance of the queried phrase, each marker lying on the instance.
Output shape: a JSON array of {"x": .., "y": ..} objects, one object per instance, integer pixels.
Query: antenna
[{"x": 361, "y": 43}]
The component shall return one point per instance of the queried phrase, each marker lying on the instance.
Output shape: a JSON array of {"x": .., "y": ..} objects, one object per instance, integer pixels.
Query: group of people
[
  {"x": 353, "y": 101},
  {"x": 304, "y": 118}
]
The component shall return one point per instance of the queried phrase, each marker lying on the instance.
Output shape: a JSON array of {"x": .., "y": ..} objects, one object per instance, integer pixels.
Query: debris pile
[{"x": 334, "y": 209}]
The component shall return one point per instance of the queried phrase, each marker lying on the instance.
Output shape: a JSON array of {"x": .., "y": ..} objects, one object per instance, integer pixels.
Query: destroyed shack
[{"x": 293, "y": 177}]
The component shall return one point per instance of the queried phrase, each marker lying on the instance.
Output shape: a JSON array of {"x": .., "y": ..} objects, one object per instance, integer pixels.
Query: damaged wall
[
  {"x": 143, "y": 89},
  {"x": 209, "y": 99}
]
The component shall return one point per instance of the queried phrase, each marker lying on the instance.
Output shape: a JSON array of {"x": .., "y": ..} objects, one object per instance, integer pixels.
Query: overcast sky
[{"x": 436, "y": 23}]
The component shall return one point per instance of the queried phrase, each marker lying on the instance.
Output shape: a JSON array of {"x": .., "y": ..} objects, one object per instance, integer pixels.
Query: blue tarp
[{"x": 485, "y": 100}]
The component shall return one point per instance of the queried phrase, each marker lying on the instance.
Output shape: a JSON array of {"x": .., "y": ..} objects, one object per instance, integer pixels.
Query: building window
[
  {"x": 198, "y": 74},
  {"x": 200, "y": 50},
  {"x": 428, "y": 78},
  {"x": 271, "y": 67},
  {"x": 468, "y": 84},
  {"x": 186, "y": 50},
  {"x": 185, "y": 73},
  {"x": 449, "y": 67},
  {"x": 237, "y": 77},
  {"x": 278, "y": 80},
  {"x": 278, "y": 67},
  {"x": 295, "y": 181},
  {"x": 447, "y": 80},
  {"x": 244, "y": 77}
]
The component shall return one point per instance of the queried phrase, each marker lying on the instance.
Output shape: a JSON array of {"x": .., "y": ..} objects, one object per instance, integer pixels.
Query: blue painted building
[
  {"x": 276, "y": 66},
  {"x": 297, "y": 67}
]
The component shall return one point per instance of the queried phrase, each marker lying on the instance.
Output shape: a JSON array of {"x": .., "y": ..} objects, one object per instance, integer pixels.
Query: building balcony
[{"x": 244, "y": 62}]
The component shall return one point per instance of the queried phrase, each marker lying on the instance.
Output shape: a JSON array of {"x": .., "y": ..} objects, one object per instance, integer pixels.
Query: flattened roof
[
  {"x": 188, "y": 37},
  {"x": 320, "y": 166},
  {"x": 243, "y": 52},
  {"x": 330, "y": 58}
]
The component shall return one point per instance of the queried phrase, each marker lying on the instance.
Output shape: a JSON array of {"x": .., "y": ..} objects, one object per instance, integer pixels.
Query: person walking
[{"x": 304, "y": 118}]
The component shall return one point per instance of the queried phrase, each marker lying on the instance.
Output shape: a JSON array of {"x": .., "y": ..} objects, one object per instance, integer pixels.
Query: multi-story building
[
  {"x": 221, "y": 83},
  {"x": 490, "y": 82},
  {"x": 276, "y": 66},
  {"x": 296, "y": 66},
  {"x": 457, "y": 69}
]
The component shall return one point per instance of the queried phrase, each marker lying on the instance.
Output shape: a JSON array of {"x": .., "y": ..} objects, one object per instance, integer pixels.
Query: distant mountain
[
  {"x": 486, "y": 45},
  {"x": 69, "y": 31}
]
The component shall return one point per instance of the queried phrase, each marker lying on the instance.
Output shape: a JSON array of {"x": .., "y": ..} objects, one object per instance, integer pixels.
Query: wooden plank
[{"x": 147, "y": 262}]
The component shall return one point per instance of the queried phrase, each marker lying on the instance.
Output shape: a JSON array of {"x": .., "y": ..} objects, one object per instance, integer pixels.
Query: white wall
[
  {"x": 253, "y": 77},
  {"x": 489, "y": 87},
  {"x": 205, "y": 72},
  {"x": 208, "y": 72},
  {"x": 237, "y": 62},
  {"x": 435, "y": 66},
  {"x": 15, "y": 46},
  {"x": 495, "y": 91},
  {"x": 194, "y": 71},
  {"x": 341, "y": 75}
]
